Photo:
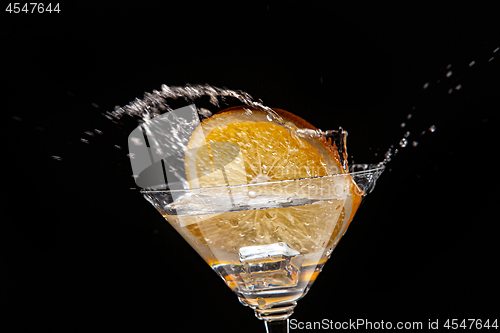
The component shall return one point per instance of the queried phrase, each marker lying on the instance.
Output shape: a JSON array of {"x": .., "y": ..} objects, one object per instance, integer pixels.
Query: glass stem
[
  {"x": 278, "y": 326},
  {"x": 276, "y": 317}
]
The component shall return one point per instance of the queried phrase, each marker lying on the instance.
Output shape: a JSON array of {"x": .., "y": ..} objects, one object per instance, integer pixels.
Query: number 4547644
[
  {"x": 32, "y": 7},
  {"x": 470, "y": 323}
]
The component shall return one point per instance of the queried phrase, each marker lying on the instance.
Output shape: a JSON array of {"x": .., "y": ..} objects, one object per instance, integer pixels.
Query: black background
[{"x": 81, "y": 250}]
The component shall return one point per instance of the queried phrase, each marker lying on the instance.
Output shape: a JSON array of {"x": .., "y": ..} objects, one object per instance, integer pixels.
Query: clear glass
[{"x": 267, "y": 241}]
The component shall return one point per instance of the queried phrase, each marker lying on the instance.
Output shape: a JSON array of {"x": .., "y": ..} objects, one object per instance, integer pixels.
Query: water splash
[
  {"x": 153, "y": 103},
  {"x": 455, "y": 86},
  {"x": 156, "y": 103}
]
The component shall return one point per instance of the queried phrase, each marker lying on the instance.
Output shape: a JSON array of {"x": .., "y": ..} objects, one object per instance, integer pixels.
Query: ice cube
[{"x": 270, "y": 266}]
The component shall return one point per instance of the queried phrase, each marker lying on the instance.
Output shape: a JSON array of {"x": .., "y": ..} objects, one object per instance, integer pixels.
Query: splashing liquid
[
  {"x": 155, "y": 103},
  {"x": 452, "y": 87}
]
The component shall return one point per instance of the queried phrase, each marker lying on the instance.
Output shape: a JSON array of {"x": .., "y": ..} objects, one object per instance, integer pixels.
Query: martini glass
[{"x": 267, "y": 241}]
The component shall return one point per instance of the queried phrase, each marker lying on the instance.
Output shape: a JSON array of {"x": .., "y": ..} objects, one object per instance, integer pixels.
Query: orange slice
[
  {"x": 237, "y": 147},
  {"x": 267, "y": 150}
]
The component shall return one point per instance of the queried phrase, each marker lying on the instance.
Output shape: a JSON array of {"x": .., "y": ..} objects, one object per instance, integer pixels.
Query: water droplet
[
  {"x": 414, "y": 143},
  {"x": 403, "y": 125},
  {"x": 204, "y": 112},
  {"x": 118, "y": 147},
  {"x": 97, "y": 131},
  {"x": 458, "y": 87},
  {"x": 450, "y": 73},
  {"x": 269, "y": 117},
  {"x": 491, "y": 59},
  {"x": 89, "y": 133},
  {"x": 57, "y": 158},
  {"x": 450, "y": 90},
  {"x": 472, "y": 63},
  {"x": 388, "y": 155},
  {"x": 426, "y": 85},
  {"x": 496, "y": 50},
  {"x": 409, "y": 116},
  {"x": 432, "y": 128},
  {"x": 84, "y": 140},
  {"x": 261, "y": 301},
  {"x": 448, "y": 67},
  {"x": 252, "y": 194},
  {"x": 407, "y": 134},
  {"x": 95, "y": 105}
]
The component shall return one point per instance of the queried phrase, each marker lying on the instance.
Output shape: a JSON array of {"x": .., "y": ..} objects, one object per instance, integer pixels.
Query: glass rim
[{"x": 369, "y": 168}]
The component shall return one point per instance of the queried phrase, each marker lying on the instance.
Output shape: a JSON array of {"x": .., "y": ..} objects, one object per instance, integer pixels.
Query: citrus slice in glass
[{"x": 238, "y": 147}]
